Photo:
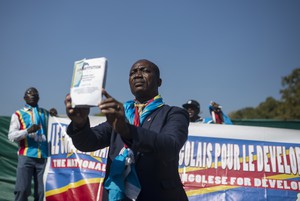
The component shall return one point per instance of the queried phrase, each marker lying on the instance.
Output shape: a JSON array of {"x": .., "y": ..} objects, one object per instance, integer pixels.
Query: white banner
[{"x": 218, "y": 162}]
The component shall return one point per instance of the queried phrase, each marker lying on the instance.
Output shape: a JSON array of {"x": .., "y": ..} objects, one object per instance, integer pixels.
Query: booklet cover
[{"x": 89, "y": 76}]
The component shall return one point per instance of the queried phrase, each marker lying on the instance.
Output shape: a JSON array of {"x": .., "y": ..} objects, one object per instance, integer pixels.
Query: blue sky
[{"x": 232, "y": 52}]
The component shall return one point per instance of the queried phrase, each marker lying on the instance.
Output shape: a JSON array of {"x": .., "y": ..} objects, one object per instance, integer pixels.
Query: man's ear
[{"x": 159, "y": 82}]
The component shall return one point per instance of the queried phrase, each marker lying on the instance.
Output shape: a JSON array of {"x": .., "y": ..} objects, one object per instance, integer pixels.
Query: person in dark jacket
[
  {"x": 193, "y": 108},
  {"x": 144, "y": 135}
]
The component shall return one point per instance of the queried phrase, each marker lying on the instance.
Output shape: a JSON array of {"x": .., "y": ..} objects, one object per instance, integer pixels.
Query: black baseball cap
[{"x": 192, "y": 103}]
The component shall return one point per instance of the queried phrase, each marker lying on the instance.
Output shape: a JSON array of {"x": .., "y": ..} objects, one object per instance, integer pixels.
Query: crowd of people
[{"x": 144, "y": 131}]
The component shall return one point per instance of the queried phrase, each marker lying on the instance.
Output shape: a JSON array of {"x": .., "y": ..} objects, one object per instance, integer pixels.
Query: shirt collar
[{"x": 28, "y": 107}]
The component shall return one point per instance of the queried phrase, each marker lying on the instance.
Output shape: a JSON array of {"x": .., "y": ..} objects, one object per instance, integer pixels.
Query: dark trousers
[{"x": 27, "y": 169}]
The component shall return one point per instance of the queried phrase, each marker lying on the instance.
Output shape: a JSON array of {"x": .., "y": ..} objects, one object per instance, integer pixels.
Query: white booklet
[{"x": 89, "y": 76}]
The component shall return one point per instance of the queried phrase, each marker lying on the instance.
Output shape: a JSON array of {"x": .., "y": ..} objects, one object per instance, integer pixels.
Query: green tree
[
  {"x": 290, "y": 95},
  {"x": 245, "y": 113},
  {"x": 269, "y": 109},
  {"x": 288, "y": 108}
]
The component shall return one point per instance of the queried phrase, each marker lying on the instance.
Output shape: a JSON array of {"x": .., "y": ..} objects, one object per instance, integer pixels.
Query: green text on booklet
[{"x": 88, "y": 79}]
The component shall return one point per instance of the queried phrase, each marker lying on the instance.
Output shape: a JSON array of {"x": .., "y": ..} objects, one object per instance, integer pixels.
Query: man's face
[
  {"x": 144, "y": 80},
  {"x": 53, "y": 112},
  {"x": 31, "y": 97},
  {"x": 191, "y": 112}
]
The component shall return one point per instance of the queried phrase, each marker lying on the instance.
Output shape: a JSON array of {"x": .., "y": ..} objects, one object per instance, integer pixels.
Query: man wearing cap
[{"x": 193, "y": 108}]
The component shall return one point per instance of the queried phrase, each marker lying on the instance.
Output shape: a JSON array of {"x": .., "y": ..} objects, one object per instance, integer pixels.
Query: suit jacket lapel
[{"x": 148, "y": 121}]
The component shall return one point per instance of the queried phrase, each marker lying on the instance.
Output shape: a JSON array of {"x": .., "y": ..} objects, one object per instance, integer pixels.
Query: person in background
[
  {"x": 216, "y": 112},
  {"x": 217, "y": 115},
  {"x": 28, "y": 127},
  {"x": 53, "y": 112},
  {"x": 144, "y": 136},
  {"x": 193, "y": 108}
]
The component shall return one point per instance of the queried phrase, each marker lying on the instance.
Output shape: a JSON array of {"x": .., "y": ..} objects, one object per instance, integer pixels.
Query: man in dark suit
[{"x": 144, "y": 135}]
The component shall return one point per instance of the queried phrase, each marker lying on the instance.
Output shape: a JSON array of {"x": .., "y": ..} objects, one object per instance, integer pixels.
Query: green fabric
[
  {"x": 8, "y": 162},
  {"x": 268, "y": 123}
]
